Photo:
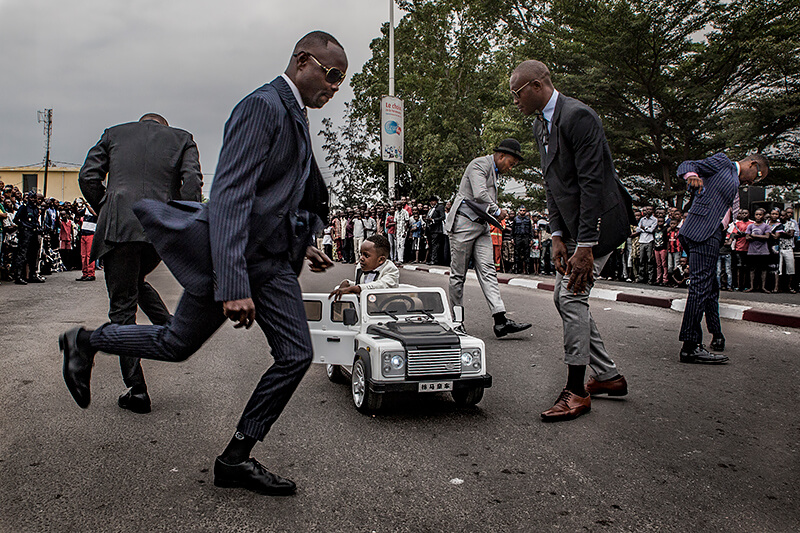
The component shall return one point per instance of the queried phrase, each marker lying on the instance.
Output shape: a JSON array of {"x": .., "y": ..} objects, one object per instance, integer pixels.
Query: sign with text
[{"x": 392, "y": 129}]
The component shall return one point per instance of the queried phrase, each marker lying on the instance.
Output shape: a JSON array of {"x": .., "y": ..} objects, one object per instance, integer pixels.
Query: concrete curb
[{"x": 726, "y": 310}]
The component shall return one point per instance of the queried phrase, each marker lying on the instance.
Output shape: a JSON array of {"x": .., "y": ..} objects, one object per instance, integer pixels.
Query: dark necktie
[
  {"x": 305, "y": 116},
  {"x": 544, "y": 136}
]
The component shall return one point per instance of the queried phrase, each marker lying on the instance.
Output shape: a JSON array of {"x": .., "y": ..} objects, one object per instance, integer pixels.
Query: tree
[
  {"x": 671, "y": 80},
  {"x": 452, "y": 74},
  {"x": 675, "y": 80},
  {"x": 354, "y": 160}
]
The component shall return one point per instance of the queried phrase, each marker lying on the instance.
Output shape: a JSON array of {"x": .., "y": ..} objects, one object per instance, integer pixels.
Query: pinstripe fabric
[
  {"x": 703, "y": 297},
  {"x": 260, "y": 181},
  {"x": 720, "y": 185},
  {"x": 179, "y": 231},
  {"x": 701, "y": 238},
  {"x": 279, "y": 313},
  {"x": 261, "y": 174}
]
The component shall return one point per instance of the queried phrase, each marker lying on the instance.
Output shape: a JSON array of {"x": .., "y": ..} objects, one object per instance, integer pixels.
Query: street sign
[{"x": 392, "y": 129}]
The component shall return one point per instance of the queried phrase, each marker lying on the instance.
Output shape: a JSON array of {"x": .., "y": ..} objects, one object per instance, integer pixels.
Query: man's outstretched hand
[
  {"x": 243, "y": 312},
  {"x": 317, "y": 260}
]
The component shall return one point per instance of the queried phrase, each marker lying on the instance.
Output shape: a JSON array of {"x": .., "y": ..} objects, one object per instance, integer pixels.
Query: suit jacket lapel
[
  {"x": 491, "y": 183},
  {"x": 291, "y": 105},
  {"x": 552, "y": 146}
]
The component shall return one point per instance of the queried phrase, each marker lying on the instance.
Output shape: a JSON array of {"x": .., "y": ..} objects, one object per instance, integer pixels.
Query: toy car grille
[{"x": 434, "y": 362}]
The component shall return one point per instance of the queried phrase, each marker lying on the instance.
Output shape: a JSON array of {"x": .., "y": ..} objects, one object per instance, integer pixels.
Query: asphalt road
[{"x": 691, "y": 448}]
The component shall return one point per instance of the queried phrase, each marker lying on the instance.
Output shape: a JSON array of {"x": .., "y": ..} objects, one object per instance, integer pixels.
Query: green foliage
[{"x": 672, "y": 81}]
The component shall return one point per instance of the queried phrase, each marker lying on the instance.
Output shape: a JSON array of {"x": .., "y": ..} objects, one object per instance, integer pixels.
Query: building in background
[{"x": 62, "y": 182}]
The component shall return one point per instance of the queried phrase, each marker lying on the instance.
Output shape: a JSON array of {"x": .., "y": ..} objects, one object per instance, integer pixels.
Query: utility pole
[
  {"x": 46, "y": 116},
  {"x": 391, "y": 89}
]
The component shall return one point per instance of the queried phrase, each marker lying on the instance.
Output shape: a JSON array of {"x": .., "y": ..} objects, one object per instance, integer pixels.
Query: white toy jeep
[{"x": 396, "y": 340}]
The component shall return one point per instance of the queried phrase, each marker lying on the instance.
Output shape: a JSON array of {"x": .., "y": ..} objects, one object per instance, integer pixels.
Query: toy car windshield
[{"x": 404, "y": 303}]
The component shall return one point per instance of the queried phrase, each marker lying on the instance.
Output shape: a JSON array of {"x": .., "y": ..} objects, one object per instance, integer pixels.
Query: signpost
[{"x": 392, "y": 129}]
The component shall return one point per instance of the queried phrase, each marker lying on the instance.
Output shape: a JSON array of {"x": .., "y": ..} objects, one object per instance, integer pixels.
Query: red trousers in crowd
[
  {"x": 661, "y": 265},
  {"x": 87, "y": 266}
]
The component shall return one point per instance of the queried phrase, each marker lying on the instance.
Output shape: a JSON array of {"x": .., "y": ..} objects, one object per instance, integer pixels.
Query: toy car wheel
[
  {"x": 468, "y": 396},
  {"x": 366, "y": 401},
  {"x": 335, "y": 373}
]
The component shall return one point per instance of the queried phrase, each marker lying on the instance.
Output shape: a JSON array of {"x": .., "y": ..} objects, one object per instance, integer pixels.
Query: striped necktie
[{"x": 305, "y": 116}]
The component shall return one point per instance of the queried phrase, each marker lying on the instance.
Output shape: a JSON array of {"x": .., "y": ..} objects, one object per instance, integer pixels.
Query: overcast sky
[{"x": 98, "y": 63}]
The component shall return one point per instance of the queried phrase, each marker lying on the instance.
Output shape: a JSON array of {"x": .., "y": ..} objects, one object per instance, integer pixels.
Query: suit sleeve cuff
[
  {"x": 690, "y": 175},
  {"x": 557, "y": 234},
  {"x": 587, "y": 244}
]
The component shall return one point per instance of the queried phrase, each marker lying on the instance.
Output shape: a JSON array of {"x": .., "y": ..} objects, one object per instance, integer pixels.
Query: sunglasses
[
  {"x": 516, "y": 92},
  {"x": 332, "y": 74}
]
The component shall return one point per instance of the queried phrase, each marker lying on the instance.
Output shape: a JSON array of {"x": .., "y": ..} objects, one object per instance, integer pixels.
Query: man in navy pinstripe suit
[
  {"x": 715, "y": 202},
  {"x": 239, "y": 258}
]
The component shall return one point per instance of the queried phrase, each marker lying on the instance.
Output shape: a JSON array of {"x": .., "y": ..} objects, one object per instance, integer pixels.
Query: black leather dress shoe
[
  {"x": 36, "y": 279},
  {"x": 251, "y": 475},
  {"x": 20, "y": 281},
  {"x": 77, "y": 367},
  {"x": 138, "y": 403},
  {"x": 718, "y": 344},
  {"x": 702, "y": 356},
  {"x": 510, "y": 327}
]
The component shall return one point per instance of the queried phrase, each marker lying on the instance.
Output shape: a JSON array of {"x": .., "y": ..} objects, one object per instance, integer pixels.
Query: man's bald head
[
  {"x": 533, "y": 70},
  {"x": 531, "y": 86},
  {"x": 314, "y": 57},
  {"x": 315, "y": 40},
  {"x": 155, "y": 117}
]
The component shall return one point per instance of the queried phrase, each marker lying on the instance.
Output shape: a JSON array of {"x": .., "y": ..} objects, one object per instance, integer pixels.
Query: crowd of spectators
[
  {"x": 757, "y": 254},
  {"x": 43, "y": 235}
]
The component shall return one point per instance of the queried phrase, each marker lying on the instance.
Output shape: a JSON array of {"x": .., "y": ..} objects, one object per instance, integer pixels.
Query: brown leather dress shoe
[
  {"x": 617, "y": 386},
  {"x": 568, "y": 406}
]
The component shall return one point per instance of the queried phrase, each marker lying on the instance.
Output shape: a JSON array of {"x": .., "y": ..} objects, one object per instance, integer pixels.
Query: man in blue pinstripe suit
[
  {"x": 715, "y": 203},
  {"x": 239, "y": 258}
]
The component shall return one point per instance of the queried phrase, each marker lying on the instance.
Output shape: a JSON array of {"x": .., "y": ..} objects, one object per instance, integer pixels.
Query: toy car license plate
[{"x": 435, "y": 386}]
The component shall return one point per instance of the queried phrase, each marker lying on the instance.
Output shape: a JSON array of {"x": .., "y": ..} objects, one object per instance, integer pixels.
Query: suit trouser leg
[
  {"x": 436, "y": 246},
  {"x": 282, "y": 317},
  {"x": 583, "y": 344},
  {"x": 196, "y": 319},
  {"x": 703, "y": 296},
  {"x": 460, "y": 252},
  {"x": 126, "y": 266},
  {"x": 473, "y": 241}
]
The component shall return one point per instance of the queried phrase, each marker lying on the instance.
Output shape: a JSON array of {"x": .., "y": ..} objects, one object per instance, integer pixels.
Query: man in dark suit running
[
  {"x": 267, "y": 201},
  {"x": 714, "y": 183},
  {"x": 590, "y": 215},
  {"x": 145, "y": 159}
]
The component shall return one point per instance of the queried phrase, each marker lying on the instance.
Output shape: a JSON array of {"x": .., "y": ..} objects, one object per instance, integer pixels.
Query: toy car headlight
[
  {"x": 393, "y": 363},
  {"x": 471, "y": 360}
]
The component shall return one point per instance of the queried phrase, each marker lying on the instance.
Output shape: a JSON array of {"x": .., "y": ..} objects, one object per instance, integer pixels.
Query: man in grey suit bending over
[
  {"x": 133, "y": 161},
  {"x": 470, "y": 237},
  {"x": 590, "y": 215},
  {"x": 239, "y": 256}
]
